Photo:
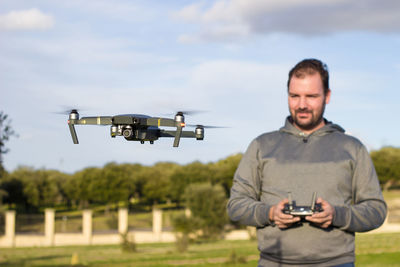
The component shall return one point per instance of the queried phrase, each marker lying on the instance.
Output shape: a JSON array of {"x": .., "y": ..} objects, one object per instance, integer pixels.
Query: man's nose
[{"x": 302, "y": 103}]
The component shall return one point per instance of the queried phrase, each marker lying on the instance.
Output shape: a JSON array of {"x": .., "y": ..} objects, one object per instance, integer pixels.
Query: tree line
[{"x": 30, "y": 189}]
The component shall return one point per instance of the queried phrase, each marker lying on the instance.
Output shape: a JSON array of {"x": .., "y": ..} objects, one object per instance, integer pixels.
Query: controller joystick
[{"x": 302, "y": 211}]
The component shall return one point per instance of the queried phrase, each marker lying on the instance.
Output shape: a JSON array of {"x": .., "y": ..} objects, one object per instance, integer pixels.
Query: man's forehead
[{"x": 311, "y": 82}]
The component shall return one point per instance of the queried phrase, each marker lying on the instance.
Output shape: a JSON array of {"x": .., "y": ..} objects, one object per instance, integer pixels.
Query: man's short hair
[{"x": 309, "y": 67}]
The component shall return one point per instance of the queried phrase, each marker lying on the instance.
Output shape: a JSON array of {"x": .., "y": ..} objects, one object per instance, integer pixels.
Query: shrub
[{"x": 207, "y": 204}]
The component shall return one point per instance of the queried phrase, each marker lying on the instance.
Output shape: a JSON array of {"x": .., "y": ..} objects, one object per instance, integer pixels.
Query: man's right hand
[{"x": 281, "y": 219}]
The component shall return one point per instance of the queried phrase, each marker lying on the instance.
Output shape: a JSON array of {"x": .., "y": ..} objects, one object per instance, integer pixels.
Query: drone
[{"x": 139, "y": 127}]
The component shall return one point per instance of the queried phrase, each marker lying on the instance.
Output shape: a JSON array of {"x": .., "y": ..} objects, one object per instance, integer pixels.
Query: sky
[{"x": 227, "y": 58}]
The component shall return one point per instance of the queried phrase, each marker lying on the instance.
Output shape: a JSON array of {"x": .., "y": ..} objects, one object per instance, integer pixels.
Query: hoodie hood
[{"x": 329, "y": 127}]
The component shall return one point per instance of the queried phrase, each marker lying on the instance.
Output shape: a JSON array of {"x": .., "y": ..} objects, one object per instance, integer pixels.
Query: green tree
[
  {"x": 207, "y": 204},
  {"x": 387, "y": 164},
  {"x": 156, "y": 181},
  {"x": 184, "y": 176},
  {"x": 80, "y": 188},
  {"x": 60, "y": 179},
  {"x": 6, "y": 132},
  {"x": 31, "y": 189},
  {"x": 113, "y": 185},
  {"x": 137, "y": 177},
  {"x": 224, "y": 170},
  {"x": 13, "y": 191}
]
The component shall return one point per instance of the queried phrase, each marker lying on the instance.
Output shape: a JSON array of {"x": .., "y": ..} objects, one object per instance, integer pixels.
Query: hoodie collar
[{"x": 329, "y": 127}]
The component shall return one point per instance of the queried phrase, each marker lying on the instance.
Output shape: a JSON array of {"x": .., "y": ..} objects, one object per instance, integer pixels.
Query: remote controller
[{"x": 302, "y": 211}]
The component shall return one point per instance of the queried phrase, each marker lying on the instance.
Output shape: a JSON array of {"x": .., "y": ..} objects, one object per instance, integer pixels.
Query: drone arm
[
  {"x": 184, "y": 134},
  {"x": 160, "y": 122},
  {"x": 177, "y": 136},
  {"x": 73, "y": 133},
  {"x": 100, "y": 120}
]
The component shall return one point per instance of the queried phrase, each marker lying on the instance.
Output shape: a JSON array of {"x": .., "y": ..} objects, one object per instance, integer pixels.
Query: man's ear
[{"x": 328, "y": 96}]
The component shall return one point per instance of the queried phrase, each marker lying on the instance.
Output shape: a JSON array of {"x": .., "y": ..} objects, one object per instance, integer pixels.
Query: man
[{"x": 309, "y": 154}]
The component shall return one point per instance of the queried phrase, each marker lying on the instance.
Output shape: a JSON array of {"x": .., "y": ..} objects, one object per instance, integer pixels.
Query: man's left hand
[{"x": 324, "y": 218}]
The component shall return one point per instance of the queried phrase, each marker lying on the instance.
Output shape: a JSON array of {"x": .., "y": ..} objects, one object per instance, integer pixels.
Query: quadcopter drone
[{"x": 138, "y": 127}]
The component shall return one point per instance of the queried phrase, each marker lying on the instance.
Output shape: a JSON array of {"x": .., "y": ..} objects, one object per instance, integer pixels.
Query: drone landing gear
[{"x": 151, "y": 142}]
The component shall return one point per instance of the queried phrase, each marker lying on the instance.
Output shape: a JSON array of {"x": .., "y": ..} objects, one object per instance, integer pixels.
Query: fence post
[
  {"x": 10, "y": 227},
  {"x": 122, "y": 220},
  {"x": 49, "y": 226},
  {"x": 157, "y": 223},
  {"x": 188, "y": 213},
  {"x": 87, "y": 226}
]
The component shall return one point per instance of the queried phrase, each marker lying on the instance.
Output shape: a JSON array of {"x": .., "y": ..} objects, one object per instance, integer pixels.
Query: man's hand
[
  {"x": 281, "y": 219},
  {"x": 324, "y": 218}
]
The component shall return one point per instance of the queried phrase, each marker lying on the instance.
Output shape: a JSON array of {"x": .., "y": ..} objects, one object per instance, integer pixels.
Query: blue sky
[{"x": 229, "y": 58}]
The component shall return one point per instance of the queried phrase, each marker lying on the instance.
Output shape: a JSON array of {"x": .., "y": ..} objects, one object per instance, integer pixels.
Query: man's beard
[{"x": 312, "y": 123}]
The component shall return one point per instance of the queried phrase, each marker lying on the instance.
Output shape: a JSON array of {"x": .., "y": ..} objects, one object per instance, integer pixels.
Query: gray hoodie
[{"x": 329, "y": 162}]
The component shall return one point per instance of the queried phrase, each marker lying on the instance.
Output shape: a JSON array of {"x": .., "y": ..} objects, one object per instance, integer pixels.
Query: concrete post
[
  {"x": 122, "y": 220},
  {"x": 188, "y": 213},
  {"x": 49, "y": 226},
  {"x": 157, "y": 223},
  {"x": 10, "y": 227},
  {"x": 87, "y": 226}
]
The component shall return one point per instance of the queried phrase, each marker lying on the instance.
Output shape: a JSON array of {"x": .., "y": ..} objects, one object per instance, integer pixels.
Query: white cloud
[
  {"x": 31, "y": 19},
  {"x": 229, "y": 19}
]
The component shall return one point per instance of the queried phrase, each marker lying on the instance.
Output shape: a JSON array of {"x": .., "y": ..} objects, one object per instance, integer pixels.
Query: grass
[
  {"x": 371, "y": 250},
  {"x": 391, "y": 194},
  {"x": 202, "y": 254}
]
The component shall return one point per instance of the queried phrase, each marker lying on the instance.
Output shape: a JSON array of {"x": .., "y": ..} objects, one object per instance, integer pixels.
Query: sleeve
[
  {"x": 244, "y": 204},
  {"x": 368, "y": 210}
]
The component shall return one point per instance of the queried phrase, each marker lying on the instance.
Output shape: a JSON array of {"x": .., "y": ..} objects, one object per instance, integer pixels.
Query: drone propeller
[
  {"x": 185, "y": 112},
  {"x": 66, "y": 110},
  {"x": 205, "y": 126}
]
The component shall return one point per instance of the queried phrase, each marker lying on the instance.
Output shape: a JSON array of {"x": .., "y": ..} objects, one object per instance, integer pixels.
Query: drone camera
[{"x": 127, "y": 132}]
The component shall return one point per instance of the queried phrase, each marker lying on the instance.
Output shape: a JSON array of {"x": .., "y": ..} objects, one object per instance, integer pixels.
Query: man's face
[{"x": 307, "y": 102}]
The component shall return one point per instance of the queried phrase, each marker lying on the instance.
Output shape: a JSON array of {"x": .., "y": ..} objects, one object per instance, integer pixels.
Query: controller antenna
[
  {"x": 290, "y": 201},
  {"x": 314, "y": 198}
]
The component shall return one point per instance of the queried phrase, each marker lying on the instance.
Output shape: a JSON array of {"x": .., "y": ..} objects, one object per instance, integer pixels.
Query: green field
[{"x": 371, "y": 250}]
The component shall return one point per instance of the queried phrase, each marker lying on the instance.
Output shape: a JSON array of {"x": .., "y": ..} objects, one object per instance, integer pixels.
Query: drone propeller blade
[
  {"x": 65, "y": 110},
  {"x": 206, "y": 126},
  {"x": 186, "y": 112},
  {"x": 192, "y": 112}
]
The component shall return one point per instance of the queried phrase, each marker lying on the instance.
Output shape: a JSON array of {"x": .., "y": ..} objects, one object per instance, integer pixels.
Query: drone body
[{"x": 138, "y": 127}]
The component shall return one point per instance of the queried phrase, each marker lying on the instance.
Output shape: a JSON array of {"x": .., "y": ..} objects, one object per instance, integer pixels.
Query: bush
[
  {"x": 387, "y": 165},
  {"x": 182, "y": 242},
  {"x": 208, "y": 206},
  {"x": 128, "y": 243}
]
